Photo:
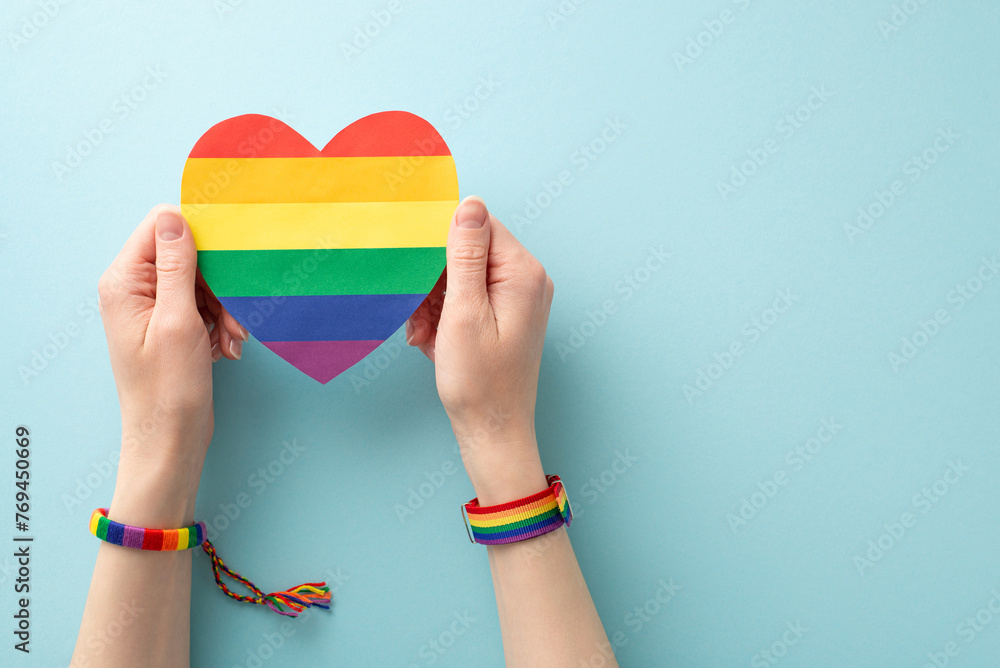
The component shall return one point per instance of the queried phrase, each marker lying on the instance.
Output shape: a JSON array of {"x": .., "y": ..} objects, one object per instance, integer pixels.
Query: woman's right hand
[
  {"x": 164, "y": 330},
  {"x": 483, "y": 326}
]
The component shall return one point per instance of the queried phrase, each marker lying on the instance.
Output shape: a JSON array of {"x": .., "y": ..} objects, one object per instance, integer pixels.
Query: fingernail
[
  {"x": 244, "y": 333},
  {"x": 216, "y": 352},
  {"x": 169, "y": 226},
  {"x": 471, "y": 213},
  {"x": 409, "y": 332},
  {"x": 235, "y": 348}
]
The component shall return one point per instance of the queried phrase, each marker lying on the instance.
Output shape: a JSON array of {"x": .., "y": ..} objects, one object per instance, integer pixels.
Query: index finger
[{"x": 222, "y": 316}]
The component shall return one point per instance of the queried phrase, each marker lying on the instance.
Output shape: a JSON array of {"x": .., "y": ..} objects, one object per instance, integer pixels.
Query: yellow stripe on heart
[
  {"x": 286, "y": 225},
  {"x": 311, "y": 180}
]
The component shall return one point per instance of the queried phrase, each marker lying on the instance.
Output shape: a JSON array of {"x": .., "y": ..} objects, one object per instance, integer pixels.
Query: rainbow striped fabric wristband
[
  {"x": 519, "y": 520},
  {"x": 289, "y": 603}
]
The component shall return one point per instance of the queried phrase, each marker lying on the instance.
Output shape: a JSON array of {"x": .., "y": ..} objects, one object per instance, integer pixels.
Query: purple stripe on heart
[{"x": 322, "y": 360}]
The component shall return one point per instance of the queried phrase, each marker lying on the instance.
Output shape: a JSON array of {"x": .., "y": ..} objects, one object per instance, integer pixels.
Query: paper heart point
[{"x": 321, "y": 254}]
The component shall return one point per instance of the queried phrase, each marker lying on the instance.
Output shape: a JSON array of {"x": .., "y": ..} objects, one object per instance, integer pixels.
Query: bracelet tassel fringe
[{"x": 290, "y": 602}]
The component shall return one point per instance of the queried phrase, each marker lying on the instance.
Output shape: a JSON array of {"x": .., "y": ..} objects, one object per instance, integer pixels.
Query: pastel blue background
[{"x": 369, "y": 440}]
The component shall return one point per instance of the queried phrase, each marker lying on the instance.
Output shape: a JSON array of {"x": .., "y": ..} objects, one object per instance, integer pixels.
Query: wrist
[
  {"x": 508, "y": 481},
  {"x": 154, "y": 492},
  {"x": 503, "y": 464},
  {"x": 165, "y": 432}
]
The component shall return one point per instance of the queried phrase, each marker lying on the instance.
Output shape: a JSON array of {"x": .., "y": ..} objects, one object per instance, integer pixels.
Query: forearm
[
  {"x": 547, "y": 616},
  {"x": 138, "y": 607}
]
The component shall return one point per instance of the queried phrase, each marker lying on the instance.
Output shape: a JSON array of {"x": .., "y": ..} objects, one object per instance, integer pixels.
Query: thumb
[
  {"x": 176, "y": 263},
  {"x": 468, "y": 252}
]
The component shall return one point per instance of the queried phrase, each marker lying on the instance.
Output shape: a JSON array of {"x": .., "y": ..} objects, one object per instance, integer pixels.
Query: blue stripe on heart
[{"x": 323, "y": 317}]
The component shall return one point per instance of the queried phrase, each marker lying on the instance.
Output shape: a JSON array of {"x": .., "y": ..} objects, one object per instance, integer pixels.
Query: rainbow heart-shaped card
[{"x": 321, "y": 254}]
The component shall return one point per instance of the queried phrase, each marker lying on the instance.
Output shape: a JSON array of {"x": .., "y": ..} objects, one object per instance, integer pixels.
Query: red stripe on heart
[{"x": 389, "y": 133}]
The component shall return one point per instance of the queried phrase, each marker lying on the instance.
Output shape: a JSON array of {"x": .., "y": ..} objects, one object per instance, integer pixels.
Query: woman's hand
[
  {"x": 164, "y": 330},
  {"x": 483, "y": 326},
  {"x": 485, "y": 335}
]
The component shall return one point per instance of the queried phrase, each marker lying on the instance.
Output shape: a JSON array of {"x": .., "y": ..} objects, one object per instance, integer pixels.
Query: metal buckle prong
[{"x": 465, "y": 518}]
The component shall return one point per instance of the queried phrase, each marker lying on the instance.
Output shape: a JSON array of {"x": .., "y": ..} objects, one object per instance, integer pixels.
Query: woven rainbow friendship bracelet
[
  {"x": 289, "y": 603},
  {"x": 519, "y": 520},
  {"x": 145, "y": 539}
]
